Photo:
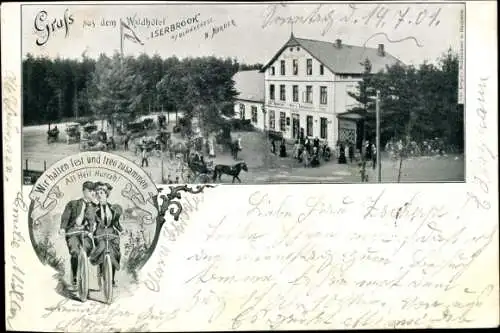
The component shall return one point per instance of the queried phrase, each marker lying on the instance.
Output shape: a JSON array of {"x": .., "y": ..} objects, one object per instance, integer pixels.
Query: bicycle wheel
[
  {"x": 108, "y": 279},
  {"x": 83, "y": 276}
]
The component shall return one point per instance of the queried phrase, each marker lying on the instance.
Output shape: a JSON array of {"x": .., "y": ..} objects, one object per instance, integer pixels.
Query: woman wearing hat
[{"x": 107, "y": 221}]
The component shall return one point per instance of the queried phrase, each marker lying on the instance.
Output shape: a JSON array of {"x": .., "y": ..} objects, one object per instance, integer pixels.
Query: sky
[{"x": 251, "y": 33}]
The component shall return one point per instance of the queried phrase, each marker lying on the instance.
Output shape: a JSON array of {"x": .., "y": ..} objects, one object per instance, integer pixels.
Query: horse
[
  {"x": 233, "y": 171},
  {"x": 235, "y": 147},
  {"x": 180, "y": 148}
]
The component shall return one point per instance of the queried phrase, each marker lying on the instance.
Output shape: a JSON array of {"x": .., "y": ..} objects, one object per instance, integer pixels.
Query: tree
[
  {"x": 415, "y": 102},
  {"x": 365, "y": 96},
  {"x": 199, "y": 87},
  {"x": 115, "y": 87}
]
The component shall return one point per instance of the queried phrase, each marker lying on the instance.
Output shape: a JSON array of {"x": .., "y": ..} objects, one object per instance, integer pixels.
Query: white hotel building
[{"x": 306, "y": 88}]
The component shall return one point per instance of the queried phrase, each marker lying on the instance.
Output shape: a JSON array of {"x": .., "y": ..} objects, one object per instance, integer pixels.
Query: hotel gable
[{"x": 304, "y": 88}]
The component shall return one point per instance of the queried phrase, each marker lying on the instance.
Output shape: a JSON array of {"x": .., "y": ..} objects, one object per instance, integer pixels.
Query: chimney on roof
[
  {"x": 381, "y": 51},
  {"x": 338, "y": 43}
]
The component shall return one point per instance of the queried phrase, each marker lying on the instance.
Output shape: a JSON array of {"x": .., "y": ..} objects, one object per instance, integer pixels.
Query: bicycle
[
  {"x": 107, "y": 267},
  {"x": 82, "y": 276}
]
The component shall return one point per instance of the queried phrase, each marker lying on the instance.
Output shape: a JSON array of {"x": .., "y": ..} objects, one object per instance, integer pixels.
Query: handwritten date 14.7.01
[{"x": 376, "y": 16}]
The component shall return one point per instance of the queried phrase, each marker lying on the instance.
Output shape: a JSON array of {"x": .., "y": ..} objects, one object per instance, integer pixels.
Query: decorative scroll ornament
[{"x": 170, "y": 204}]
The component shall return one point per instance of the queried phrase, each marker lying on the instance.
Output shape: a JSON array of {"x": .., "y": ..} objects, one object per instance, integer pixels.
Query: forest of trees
[
  {"x": 416, "y": 103},
  {"x": 57, "y": 89}
]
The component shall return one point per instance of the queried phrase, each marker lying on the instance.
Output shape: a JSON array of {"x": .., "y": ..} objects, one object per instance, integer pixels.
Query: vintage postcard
[{"x": 182, "y": 166}]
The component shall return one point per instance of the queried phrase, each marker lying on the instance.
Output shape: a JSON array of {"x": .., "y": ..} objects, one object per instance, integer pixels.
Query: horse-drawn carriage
[
  {"x": 73, "y": 133},
  {"x": 52, "y": 135},
  {"x": 148, "y": 143},
  {"x": 94, "y": 140},
  {"x": 136, "y": 127},
  {"x": 149, "y": 123},
  {"x": 197, "y": 170}
]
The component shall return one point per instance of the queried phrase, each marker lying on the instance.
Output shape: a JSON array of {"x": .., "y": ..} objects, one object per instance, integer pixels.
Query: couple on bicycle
[{"x": 96, "y": 215}]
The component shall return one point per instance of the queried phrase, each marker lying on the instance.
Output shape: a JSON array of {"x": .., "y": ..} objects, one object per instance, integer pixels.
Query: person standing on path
[
  {"x": 144, "y": 161},
  {"x": 127, "y": 139},
  {"x": 273, "y": 147}
]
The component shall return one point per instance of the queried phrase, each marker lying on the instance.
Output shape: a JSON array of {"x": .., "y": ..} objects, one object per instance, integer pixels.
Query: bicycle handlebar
[
  {"x": 78, "y": 232},
  {"x": 107, "y": 236}
]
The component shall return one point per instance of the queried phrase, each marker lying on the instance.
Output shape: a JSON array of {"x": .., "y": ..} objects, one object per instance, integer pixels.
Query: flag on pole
[{"x": 128, "y": 33}]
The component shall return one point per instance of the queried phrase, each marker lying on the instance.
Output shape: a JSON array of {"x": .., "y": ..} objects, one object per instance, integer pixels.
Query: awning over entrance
[{"x": 351, "y": 115}]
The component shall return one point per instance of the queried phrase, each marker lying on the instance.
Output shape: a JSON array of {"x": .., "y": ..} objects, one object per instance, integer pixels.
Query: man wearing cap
[
  {"x": 108, "y": 221},
  {"x": 79, "y": 214}
]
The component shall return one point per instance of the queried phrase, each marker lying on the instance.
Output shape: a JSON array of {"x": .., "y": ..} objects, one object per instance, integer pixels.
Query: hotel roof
[{"x": 340, "y": 58}]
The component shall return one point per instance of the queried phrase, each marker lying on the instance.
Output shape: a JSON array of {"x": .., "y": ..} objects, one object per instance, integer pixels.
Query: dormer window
[
  {"x": 282, "y": 67},
  {"x": 291, "y": 49},
  {"x": 298, "y": 48},
  {"x": 272, "y": 71}
]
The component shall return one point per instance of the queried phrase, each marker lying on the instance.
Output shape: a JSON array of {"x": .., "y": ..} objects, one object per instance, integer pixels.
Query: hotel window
[
  {"x": 295, "y": 93},
  {"x": 271, "y": 120},
  {"x": 272, "y": 70},
  {"x": 282, "y": 121},
  {"x": 309, "y": 66},
  {"x": 321, "y": 70},
  {"x": 242, "y": 111},
  {"x": 323, "y": 128},
  {"x": 282, "y": 92},
  {"x": 271, "y": 92},
  {"x": 309, "y": 122},
  {"x": 282, "y": 67},
  {"x": 323, "y": 96},
  {"x": 295, "y": 67},
  {"x": 254, "y": 114},
  {"x": 309, "y": 94}
]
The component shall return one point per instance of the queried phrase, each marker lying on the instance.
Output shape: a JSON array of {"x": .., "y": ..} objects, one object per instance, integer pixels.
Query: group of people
[
  {"x": 309, "y": 151},
  {"x": 95, "y": 214},
  {"x": 347, "y": 150},
  {"x": 282, "y": 152},
  {"x": 305, "y": 151}
]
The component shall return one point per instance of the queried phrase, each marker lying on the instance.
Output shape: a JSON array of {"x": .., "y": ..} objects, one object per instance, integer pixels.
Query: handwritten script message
[
  {"x": 313, "y": 262},
  {"x": 171, "y": 231},
  {"x": 375, "y": 16},
  {"x": 17, "y": 279},
  {"x": 486, "y": 156},
  {"x": 320, "y": 271},
  {"x": 10, "y": 129}
]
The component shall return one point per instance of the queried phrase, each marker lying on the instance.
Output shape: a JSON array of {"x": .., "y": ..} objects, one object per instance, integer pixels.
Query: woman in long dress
[{"x": 108, "y": 222}]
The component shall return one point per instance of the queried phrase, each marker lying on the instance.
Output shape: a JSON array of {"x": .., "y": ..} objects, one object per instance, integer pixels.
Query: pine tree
[{"x": 115, "y": 88}]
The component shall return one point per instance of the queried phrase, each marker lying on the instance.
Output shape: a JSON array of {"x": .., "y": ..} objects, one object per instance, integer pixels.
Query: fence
[{"x": 30, "y": 176}]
